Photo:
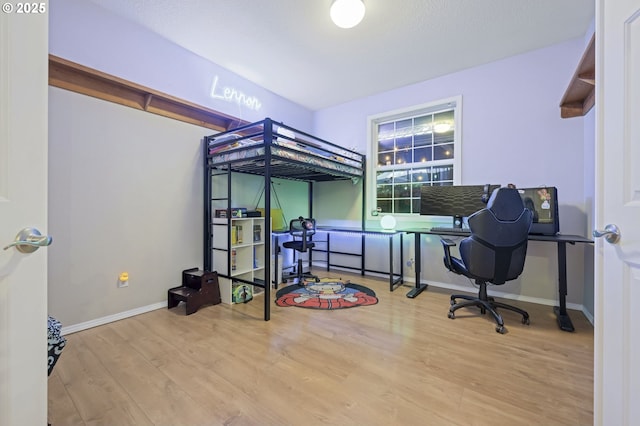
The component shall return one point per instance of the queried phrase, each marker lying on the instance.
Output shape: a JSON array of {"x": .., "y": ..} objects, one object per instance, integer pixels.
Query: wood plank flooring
[{"x": 400, "y": 362}]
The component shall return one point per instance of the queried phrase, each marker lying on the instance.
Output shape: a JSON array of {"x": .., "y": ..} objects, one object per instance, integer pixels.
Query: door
[
  {"x": 617, "y": 265},
  {"x": 23, "y": 203}
]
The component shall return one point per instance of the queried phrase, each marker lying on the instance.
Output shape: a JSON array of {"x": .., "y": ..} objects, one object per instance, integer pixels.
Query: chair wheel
[
  {"x": 526, "y": 321},
  {"x": 451, "y": 315},
  {"x": 500, "y": 329},
  {"x": 452, "y": 302}
]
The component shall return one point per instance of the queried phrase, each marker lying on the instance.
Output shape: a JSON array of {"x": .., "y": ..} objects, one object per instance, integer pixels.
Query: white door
[
  {"x": 617, "y": 265},
  {"x": 23, "y": 203}
]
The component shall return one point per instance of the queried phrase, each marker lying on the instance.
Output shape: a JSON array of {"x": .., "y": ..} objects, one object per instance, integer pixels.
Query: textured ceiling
[{"x": 292, "y": 48}]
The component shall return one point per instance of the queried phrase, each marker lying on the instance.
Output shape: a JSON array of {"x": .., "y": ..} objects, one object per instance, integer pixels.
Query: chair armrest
[
  {"x": 446, "y": 242},
  {"x": 446, "y": 245}
]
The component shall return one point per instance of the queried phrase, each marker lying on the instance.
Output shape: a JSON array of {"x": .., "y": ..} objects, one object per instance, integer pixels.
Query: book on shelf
[
  {"x": 239, "y": 231},
  {"x": 257, "y": 232},
  {"x": 233, "y": 259},
  {"x": 236, "y": 234}
]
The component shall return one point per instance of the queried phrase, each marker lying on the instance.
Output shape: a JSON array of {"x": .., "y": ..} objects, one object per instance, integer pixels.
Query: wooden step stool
[{"x": 198, "y": 288}]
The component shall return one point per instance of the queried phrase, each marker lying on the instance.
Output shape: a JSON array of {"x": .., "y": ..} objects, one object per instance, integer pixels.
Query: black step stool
[{"x": 198, "y": 288}]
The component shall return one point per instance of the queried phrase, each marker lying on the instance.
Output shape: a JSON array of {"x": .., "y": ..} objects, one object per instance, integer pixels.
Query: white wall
[
  {"x": 589, "y": 197},
  {"x": 125, "y": 194},
  {"x": 512, "y": 132},
  {"x": 83, "y": 32},
  {"x": 287, "y": 195},
  {"x": 589, "y": 123}
]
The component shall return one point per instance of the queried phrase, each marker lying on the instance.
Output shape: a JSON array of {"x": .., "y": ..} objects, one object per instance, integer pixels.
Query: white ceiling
[{"x": 292, "y": 48}]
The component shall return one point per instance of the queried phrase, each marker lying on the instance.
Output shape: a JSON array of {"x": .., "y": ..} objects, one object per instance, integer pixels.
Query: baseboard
[
  {"x": 494, "y": 292},
  {"x": 588, "y": 315},
  {"x": 144, "y": 309},
  {"x": 112, "y": 318}
]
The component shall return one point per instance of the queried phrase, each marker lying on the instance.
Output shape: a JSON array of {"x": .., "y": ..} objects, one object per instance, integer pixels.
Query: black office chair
[
  {"x": 494, "y": 252},
  {"x": 302, "y": 229}
]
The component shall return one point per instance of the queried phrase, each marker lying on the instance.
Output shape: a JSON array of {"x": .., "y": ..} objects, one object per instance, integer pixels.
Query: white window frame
[{"x": 373, "y": 121}]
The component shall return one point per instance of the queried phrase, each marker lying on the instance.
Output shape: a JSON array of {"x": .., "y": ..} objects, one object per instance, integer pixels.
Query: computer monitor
[
  {"x": 543, "y": 202},
  {"x": 457, "y": 201}
]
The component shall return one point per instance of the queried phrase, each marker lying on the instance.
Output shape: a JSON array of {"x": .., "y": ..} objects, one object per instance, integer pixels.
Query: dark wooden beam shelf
[
  {"x": 579, "y": 97},
  {"x": 87, "y": 81}
]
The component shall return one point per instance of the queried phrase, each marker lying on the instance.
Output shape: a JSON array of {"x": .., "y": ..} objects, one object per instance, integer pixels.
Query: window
[{"x": 410, "y": 148}]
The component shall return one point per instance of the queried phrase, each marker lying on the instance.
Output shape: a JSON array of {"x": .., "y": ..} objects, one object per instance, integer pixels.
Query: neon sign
[{"x": 230, "y": 94}]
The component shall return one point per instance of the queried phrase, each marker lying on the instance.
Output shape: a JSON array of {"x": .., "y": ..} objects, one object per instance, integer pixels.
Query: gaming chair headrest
[{"x": 506, "y": 203}]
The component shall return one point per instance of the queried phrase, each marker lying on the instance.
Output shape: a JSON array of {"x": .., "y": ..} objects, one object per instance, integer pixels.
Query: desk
[
  {"x": 561, "y": 240},
  {"x": 564, "y": 321},
  {"x": 395, "y": 279}
]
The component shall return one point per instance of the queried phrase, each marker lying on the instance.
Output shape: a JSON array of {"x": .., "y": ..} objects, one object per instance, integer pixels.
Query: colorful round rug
[{"x": 329, "y": 293}]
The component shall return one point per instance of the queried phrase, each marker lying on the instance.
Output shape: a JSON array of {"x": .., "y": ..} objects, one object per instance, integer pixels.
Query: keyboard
[{"x": 451, "y": 230}]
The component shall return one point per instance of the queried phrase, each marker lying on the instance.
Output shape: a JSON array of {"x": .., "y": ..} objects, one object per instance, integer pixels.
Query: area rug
[{"x": 329, "y": 293}]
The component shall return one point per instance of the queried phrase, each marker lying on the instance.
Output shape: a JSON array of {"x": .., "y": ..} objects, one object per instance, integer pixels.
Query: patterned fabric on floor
[{"x": 329, "y": 293}]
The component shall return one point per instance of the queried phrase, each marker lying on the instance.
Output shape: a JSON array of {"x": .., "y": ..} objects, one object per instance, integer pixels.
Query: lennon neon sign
[{"x": 230, "y": 94}]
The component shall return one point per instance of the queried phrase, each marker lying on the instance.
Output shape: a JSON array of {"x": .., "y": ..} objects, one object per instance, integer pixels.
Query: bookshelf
[{"x": 239, "y": 247}]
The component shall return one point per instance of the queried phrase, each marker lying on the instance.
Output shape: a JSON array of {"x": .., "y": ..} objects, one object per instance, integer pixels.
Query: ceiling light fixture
[{"x": 347, "y": 13}]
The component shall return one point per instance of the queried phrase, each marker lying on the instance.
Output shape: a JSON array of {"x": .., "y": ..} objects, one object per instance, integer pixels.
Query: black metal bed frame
[{"x": 270, "y": 166}]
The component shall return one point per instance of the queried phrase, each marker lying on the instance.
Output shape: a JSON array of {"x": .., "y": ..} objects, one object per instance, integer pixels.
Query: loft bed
[
  {"x": 273, "y": 150},
  {"x": 293, "y": 154}
]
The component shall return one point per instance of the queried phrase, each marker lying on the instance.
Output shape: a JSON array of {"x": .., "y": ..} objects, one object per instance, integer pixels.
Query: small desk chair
[{"x": 301, "y": 229}]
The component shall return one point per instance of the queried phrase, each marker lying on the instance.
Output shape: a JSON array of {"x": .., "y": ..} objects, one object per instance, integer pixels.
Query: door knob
[
  {"x": 611, "y": 233},
  {"x": 29, "y": 240}
]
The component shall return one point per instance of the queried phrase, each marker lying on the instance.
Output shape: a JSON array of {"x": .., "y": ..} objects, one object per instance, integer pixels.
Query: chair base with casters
[
  {"x": 300, "y": 276},
  {"x": 485, "y": 304}
]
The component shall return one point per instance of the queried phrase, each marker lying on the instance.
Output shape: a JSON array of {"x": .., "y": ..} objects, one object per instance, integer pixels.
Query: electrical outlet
[{"x": 123, "y": 280}]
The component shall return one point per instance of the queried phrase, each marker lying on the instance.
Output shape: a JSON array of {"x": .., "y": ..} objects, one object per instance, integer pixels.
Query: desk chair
[
  {"x": 301, "y": 230},
  {"x": 494, "y": 252}
]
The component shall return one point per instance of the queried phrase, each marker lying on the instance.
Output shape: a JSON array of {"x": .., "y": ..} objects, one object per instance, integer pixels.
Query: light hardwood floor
[{"x": 400, "y": 362}]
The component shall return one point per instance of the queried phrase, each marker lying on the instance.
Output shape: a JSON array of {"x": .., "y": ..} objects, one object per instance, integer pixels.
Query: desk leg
[
  {"x": 564, "y": 321},
  {"x": 419, "y": 288},
  {"x": 275, "y": 264},
  {"x": 362, "y": 250},
  {"x": 391, "y": 263},
  {"x": 393, "y": 280},
  {"x": 328, "y": 251},
  {"x": 401, "y": 279}
]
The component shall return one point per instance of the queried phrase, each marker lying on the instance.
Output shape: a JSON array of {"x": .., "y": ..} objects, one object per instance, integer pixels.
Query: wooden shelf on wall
[
  {"x": 579, "y": 97},
  {"x": 87, "y": 81}
]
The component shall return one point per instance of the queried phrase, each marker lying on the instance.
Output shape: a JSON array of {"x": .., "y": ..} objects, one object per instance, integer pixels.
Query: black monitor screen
[{"x": 454, "y": 200}]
